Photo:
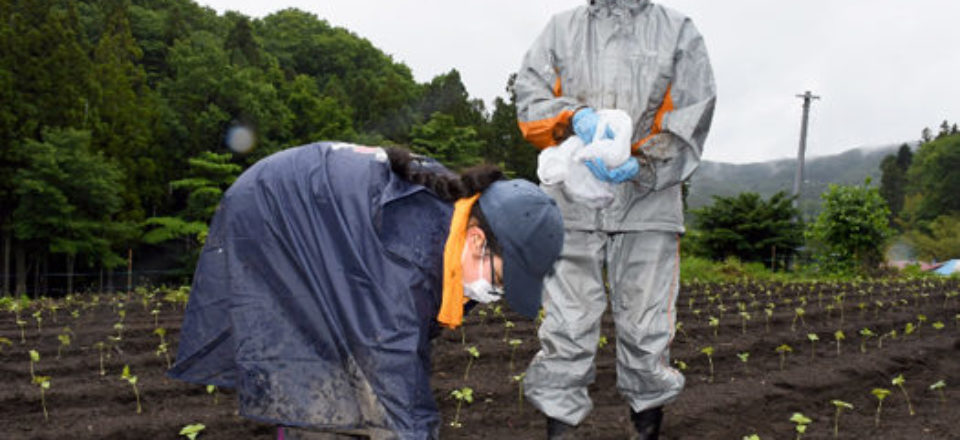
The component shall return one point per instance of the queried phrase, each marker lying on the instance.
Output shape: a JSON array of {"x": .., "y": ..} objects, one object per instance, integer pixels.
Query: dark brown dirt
[{"x": 744, "y": 398}]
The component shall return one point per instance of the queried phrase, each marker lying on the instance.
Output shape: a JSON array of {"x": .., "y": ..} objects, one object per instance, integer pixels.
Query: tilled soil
[{"x": 743, "y": 398}]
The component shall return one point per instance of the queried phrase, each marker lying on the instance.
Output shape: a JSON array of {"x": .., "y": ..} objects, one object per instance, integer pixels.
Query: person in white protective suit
[{"x": 650, "y": 62}]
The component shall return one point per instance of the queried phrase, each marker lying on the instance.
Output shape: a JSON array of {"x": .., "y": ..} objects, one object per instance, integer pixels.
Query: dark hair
[{"x": 447, "y": 185}]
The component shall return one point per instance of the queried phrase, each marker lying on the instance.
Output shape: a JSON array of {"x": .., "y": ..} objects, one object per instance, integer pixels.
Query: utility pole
[{"x": 807, "y": 97}]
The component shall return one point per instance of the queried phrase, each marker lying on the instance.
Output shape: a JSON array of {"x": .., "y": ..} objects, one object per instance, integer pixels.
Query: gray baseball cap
[{"x": 529, "y": 229}]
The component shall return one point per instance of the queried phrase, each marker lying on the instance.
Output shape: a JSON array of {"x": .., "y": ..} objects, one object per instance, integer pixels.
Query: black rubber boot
[
  {"x": 647, "y": 423},
  {"x": 557, "y": 430}
]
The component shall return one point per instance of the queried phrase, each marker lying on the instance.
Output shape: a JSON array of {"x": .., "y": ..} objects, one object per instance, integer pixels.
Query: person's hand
[
  {"x": 585, "y": 125},
  {"x": 619, "y": 174}
]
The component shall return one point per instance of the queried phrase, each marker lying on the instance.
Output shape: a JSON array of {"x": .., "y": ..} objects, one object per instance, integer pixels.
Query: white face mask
[{"x": 481, "y": 290}]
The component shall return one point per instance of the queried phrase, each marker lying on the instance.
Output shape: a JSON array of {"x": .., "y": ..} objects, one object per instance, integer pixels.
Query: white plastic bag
[{"x": 565, "y": 163}]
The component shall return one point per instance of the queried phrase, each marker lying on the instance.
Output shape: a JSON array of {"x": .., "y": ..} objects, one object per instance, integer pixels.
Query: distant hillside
[{"x": 766, "y": 178}]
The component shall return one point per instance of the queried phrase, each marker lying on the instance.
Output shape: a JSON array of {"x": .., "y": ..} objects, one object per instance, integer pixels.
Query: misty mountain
[{"x": 767, "y": 178}]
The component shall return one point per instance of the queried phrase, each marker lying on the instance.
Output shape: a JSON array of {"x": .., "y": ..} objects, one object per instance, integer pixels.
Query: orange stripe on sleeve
[
  {"x": 665, "y": 108},
  {"x": 545, "y": 132}
]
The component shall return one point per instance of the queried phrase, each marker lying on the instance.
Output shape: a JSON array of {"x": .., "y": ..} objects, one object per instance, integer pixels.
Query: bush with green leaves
[{"x": 851, "y": 229}]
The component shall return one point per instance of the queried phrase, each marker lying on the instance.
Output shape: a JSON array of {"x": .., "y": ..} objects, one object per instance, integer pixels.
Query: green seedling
[
  {"x": 744, "y": 357},
  {"x": 813, "y": 338},
  {"x": 474, "y": 354},
  {"x": 64, "y": 341},
  {"x": 514, "y": 343},
  {"x": 192, "y": 431},
  {"x": 519, "y": 380},
  {"x": 938, "y": 325},
  {"x": 464, "y": 394},
  {"x": 507, "y": 325},
  {"x": 744, "y": 317},
  {"x": 839, "y": 300},
  {"x": 899, "y": 381},
  {"x": 681, "y": 365},
  {"x": 715, "y": 323},
  {"x": 863, "y": 307},
  {"x": 38, "y": 316},
  {"x": 797, "y": 314},
  {"x": 947, "y": 297},
  {"x": 841, "y": 405},
  {"x": 865, "y": 335},
  {"x": 708, "y": 350},
  {"x": 783, "y": 349},
  {"x": 751, "y": 437},
  {"x": 838, "y": 336},
  {"x": 876, "y": 310},
  {"x": 938, "y": 387},
  {"x": 22, "y": 324},
  {"x": 133, "y": 382},
  {"x": 909, "y": 329},
  {"x": 801, "y": 421},
  {"x": 212, "y": 389},
  {"x": 892, "y": 334},
  {"x": 100, "y": 346},
  {"x": 483, "y": 316},
  {"x": 768, "y": 313},
  {"x": 680, "y": 329},
  {"x": 34, "y": 358},
  {"x": 602, "y": 342},
  {"x": 119, "y": 328},
  {"x": 156, "y": 317},
  {"x": 880, "y": 394},
  {"x": 44, "y": 383},
  {"x": 956, "y": 320},
  {"x": 53, "y": 311},
  {"x": 163, "y": 348},
  {"x": 921, "y": 318},
  {"x": 5, "y": 341}
]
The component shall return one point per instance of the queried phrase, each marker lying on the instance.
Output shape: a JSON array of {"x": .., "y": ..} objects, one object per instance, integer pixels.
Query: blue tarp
[
  {"x": 948, "y": 268},
  {"x": 316, "y": 294}
]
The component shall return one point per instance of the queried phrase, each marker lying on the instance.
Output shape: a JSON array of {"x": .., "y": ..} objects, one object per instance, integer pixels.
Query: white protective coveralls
[{"x": 650, "y": 62}]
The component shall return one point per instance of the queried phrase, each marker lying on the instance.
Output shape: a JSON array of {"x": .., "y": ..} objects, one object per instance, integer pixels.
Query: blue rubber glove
[
  {"x": 619, "y": 174},
  {"x": 585, "y": 125}
]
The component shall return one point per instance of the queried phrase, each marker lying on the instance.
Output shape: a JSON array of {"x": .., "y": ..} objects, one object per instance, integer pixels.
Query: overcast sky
[{"x": 884, "y": 68}]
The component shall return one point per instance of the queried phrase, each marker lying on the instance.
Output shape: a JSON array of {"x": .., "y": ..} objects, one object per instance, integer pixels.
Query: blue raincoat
[{"x": 316, "y": 294}]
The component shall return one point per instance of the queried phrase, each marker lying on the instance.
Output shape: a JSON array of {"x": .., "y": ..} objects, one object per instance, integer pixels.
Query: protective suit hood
[{"x": 633, "y": 6}]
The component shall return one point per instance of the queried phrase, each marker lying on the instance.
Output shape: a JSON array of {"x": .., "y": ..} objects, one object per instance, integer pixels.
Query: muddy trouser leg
[
  {"x": 643, "y": 270},
  {"x": 574, "y": 300}
]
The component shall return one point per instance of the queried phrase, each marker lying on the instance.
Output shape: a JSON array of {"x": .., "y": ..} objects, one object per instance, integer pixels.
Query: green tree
[
  {"x": 851, "y": 230},
  {"x": 210, "y": 174},
  {"x": 440, "y": 138},
  {"x": 505, "y": 143},
  {"x": 939, "y": 240},
  {"x": 749, "y": 228},
  {"x": 933, "y": 179},
  {"x": 893, "y": 180},
  {"x": 67, "y": 195}
]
